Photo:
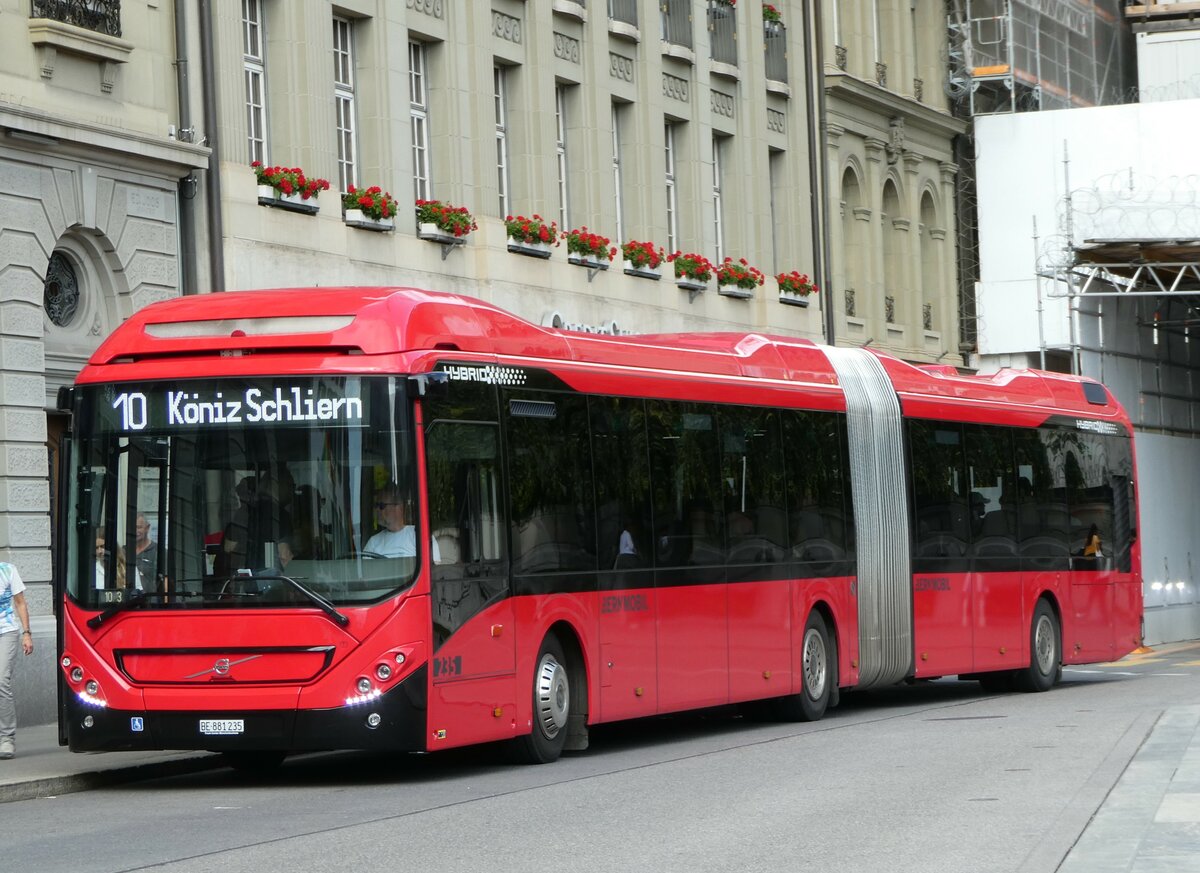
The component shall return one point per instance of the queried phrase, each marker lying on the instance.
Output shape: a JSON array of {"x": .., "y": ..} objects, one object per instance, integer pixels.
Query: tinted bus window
[
  {"x": 991, "y": 498},
  {"x": 620, "y": 455},
  {"x": 820, "y": 524},
  {"x": 752, "y": 470},
  {"x": 1041, "y": 536},
  {"x": 1090, "y": 497},
  {"x": 462, "y": 448},
  {"x": 1120, "y": 461},
  {"x": 685, "y": 476},
  {"x": 940, "y": 497},
  {"x": 550, "y": 483}
]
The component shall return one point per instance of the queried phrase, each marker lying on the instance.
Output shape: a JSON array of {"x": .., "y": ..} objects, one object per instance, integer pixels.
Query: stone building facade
[{"x": 689, "y": 124}]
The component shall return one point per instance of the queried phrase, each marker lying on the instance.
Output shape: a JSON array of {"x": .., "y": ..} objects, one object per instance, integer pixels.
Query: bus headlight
[
  {"x": 383, "y": 672},
  {"x": 364, "y": 685}
]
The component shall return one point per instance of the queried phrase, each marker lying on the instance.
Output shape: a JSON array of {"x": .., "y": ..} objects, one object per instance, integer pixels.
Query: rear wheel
[
  {"x": 818, "y": 670},
  {"x": 1045, "y": 651},
  {"x": 551, "y": 706}
]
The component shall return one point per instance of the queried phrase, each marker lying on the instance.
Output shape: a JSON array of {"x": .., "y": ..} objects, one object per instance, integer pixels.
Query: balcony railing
[
  {"x": 102, "y": 16},
  {"x": 624, "y": 11},
  {"x": 722, "y": 26},
  {"x": 775, "y": 45},
  {"x": 677, "y": 22}
]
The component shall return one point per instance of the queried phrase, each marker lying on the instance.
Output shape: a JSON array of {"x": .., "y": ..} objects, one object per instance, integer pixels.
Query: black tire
[
  {"x": 551, "y": 689},
  {"x": 818, "y": 674},
  {"x": 1045, "y": 651},
  {"x": 254, "y": 763}
]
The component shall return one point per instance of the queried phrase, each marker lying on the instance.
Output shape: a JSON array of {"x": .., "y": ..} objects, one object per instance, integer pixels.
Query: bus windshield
[{"x": 241, "y": 493}]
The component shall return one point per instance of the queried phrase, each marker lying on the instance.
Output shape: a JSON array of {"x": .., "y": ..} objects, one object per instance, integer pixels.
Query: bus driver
[{"x": 398, "y": 539}]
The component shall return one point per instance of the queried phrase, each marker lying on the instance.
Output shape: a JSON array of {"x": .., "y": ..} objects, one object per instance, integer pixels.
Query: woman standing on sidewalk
[{"x": 14, "y": 627}]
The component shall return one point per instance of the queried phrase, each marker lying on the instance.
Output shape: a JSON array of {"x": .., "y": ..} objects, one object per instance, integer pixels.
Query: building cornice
[
  {"x": 887, "y": 104},
  {"x": 53, "y": 135}
]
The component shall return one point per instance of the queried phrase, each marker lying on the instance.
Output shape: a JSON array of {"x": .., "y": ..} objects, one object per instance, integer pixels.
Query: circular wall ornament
[{"x": 61, "y": 298}]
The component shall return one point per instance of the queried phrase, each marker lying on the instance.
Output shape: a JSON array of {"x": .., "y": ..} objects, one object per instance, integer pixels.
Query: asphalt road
[{"x": 934, "y": 777}]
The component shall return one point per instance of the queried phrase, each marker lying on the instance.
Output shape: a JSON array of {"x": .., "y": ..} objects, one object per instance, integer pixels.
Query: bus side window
[{"x": 466, "y": 520}]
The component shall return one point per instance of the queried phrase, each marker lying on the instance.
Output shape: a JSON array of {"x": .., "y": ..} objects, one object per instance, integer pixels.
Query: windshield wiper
[
  {"x": 328, "y": 608},
  {"x": 134, "y": 600}
]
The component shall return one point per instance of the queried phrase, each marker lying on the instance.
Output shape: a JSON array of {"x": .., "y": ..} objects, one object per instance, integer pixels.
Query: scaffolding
[{"x": 1028, "y": 55}]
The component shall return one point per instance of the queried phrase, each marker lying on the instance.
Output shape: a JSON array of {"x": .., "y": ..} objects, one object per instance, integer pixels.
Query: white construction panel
[{"x": 1168, "y": 65}]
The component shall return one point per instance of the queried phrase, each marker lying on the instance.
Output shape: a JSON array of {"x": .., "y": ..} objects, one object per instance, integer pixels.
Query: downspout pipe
[
  {"x": 186, "y": 188},
  {"x": 814, "y": 107},
  {"x": 212, "y": 179}
]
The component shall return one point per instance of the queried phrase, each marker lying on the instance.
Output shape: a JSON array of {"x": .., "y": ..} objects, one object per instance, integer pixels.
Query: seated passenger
[
  {"x": 121, "y": 568},
  {"x": 398, "y": 538}
]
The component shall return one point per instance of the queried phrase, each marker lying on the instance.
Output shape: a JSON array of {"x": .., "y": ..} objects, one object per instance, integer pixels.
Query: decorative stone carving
[
  {"x": 675, "y": 88},
  {"x": 432, "y": 8},
  {"x": 566, "y": 48},
  {"x": 776, "y": 121},
  {"x": 506, "y": 27},
  {"x": 841, "y": 57},
  {"x": 722, "y": 103},
  {"x": 620, "y": 67},
  {"x": 889, "y": 309}
]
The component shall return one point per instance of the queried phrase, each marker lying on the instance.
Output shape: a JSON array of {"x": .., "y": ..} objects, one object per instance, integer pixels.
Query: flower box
[
  {"x": 356, "y": 218},
  {"x": 444, "y": 222},
  {"x": 591, "y": 261},
  {"x": 732, "y": 289},
  {"x": 687, "y": 283},
  {"x": 533, "y": 249},
  {"x": 430, "y": 231},
  {"x": 795, "y": 288},
  {"x": 268, "y": 196},
  {"x": 642, "y": 272}
]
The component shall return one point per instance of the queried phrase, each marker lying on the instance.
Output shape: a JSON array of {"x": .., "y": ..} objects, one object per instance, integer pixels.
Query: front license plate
[{"x": 222, "y": 727}]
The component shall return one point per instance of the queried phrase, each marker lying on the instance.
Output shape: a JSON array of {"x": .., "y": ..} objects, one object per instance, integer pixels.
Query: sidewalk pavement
[{"x": 43, "y": 768}]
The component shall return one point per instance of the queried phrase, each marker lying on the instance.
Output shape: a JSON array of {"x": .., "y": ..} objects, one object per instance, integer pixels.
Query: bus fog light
[
  {"x": 383, "y": 672},
  {"x": 399, "y": 657},
  {"x": 66, "y": 661},
  {"x": 92, "y": 687},
  {"x": 364, "y": 685},
  {"x": 77, "y": 674},
  {"x": 88, "y": 721},
  {"x": 373, "y": 720}
]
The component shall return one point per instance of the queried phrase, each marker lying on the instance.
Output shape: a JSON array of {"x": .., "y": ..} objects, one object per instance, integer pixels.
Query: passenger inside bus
[
  {"x": 121, "y": 571},
  {"x": 262, "y": 518},
  {"x": 397, "y": 538}
]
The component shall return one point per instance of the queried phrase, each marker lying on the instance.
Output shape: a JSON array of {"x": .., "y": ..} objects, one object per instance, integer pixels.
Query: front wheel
[
  {"x": 818, "y": 668},
  {"x": 1045, "y": 651},
  {"x": 551, "y": 706}
]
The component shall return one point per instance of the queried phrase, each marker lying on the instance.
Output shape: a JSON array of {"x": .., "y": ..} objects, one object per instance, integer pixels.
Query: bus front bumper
[{"x": 393, "y": 721}]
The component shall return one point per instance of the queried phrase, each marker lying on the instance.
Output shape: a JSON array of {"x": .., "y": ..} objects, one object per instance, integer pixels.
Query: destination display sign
[{"x": 175, "y": 406}]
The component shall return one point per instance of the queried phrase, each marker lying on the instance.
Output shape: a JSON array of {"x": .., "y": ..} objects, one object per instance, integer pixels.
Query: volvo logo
[{"x": 222, "y": 667}]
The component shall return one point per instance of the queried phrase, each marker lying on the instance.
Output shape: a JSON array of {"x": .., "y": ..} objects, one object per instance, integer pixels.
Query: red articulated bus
[{"x": 388, "y": 518}]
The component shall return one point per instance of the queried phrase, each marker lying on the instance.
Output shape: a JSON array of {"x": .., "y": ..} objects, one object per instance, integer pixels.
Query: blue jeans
[{"x": 10, "y": 643}]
